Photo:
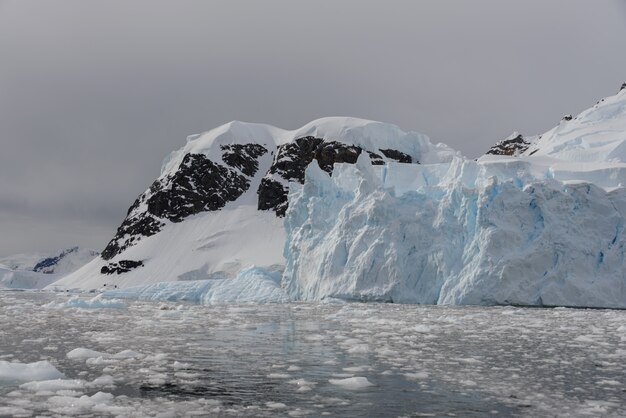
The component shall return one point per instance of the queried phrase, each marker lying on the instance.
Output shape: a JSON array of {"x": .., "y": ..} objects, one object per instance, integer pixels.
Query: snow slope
[
  {"x": 598, "y": 134},
  {"x": 218, "y": 244},
  {"x": 210, "y": 245}
]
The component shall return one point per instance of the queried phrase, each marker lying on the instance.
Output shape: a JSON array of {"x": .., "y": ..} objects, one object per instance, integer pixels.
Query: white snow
[
  {"x": 596, "y": 135},
  {"x": 207, "y": 246},
  {"x": 27, "y": 372},
  {"x": 368, "y": 134}
]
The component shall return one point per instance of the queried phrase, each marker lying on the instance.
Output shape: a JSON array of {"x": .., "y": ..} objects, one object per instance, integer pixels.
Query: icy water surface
[{"x": 313, "y": 360}]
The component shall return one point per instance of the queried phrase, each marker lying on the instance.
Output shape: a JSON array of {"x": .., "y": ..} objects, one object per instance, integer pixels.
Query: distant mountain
[{"x": 63, "y": 262}]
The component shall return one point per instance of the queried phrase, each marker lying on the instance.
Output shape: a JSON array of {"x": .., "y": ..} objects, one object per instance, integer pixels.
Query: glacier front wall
[{"x": 458, "y": 233}]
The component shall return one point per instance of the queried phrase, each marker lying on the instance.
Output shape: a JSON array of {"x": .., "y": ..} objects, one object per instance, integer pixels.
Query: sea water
[{"x": 164, "y": 359}]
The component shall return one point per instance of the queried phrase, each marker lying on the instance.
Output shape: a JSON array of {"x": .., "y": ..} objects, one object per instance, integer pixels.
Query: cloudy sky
[{"x": 94, "y": 94}]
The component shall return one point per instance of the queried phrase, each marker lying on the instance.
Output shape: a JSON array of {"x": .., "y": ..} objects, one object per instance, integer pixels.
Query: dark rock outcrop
[
  {"x": 243, "y": 157},
  {"x": 397, "y": 155},
  {"x": 122, "y": 266},
  {"x": 47, "y": 264},
  {"x": 514, "y": 145},
  {"x": 198, "y": 185},
  {"x": 292, "y": 159}
]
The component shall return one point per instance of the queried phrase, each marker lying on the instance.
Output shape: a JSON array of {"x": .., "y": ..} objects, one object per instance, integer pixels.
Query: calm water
[{"x": 292, "y": 360}]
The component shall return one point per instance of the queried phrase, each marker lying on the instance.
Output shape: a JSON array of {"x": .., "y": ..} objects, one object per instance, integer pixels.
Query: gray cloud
[{"x": 94, "y": 94}]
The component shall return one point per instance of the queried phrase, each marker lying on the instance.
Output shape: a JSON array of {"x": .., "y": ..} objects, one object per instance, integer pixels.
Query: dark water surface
[{"x": 311, "y": 359}]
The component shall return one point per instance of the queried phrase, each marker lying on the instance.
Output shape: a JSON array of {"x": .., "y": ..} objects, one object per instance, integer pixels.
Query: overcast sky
[{"x": 94, "y": 94}]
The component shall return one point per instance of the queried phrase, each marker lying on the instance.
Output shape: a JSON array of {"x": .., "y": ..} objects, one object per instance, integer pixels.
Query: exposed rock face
[
  {"x": 513, "y": 145},
  {"x": 120, "y": 267},
  {"x": 623, "y": 87},
  {"x": 397, "y": 155},
  {"x": 198, "y": 185},
  {"x": 243, "y": 157},
  {"x": 292, "y": 159}
]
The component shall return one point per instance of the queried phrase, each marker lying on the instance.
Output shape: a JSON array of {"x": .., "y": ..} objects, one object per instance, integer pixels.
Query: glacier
[{"x": 466, "y": 237}]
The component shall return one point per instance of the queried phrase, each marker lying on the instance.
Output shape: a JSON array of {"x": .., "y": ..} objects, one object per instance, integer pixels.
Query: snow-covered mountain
[
  {"x": 374, "y": 213},
  {"x": 63, "y": 262},
  {"x": 218, "y": 204},
  {"x": 37, "y": 270},
  {"x": 515, "y": 144},
  {"x": 24, "y": 279}
]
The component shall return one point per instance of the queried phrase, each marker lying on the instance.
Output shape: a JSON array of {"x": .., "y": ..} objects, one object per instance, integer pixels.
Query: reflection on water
[{"x": 270, "y": 360}]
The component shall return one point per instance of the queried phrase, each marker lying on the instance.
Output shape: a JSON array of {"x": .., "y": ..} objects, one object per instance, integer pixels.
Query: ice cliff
[{"x": 367, "y": 233}]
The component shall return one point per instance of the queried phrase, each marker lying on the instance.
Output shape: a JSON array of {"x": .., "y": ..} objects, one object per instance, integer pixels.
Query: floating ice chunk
[
  {"x": 94, "y": 303},
  {"x": 69, "y": 405},
  {"x": 54, "y": 385},
  {"x": 421, "y": 328},
  {"x": 279, "y": 376},
  {"x": 416, "y": 376},
  {"x": 275, "y": 405},
  {"x": 27, "y": 372},
  {"x": 102, "y": 381},
  {"x": 359, "y": 349},
  {"x": 352, "y": 383},
  {"x": 301, "y": 382},
  {"x": 85, "y": 353},
  {"x": 127, "y": 354},
  {"x": 356, "y": 369},
  {"x": 14, "y": 411}
]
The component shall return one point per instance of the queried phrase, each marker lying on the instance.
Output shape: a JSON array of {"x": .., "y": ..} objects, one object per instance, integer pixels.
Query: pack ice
[{"x": 375, "y": 213}]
